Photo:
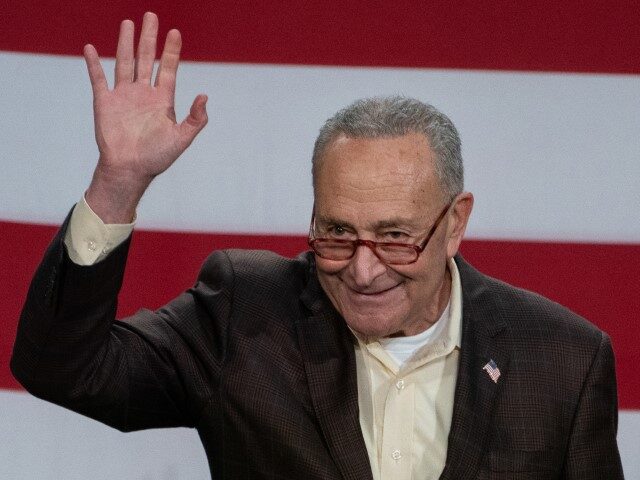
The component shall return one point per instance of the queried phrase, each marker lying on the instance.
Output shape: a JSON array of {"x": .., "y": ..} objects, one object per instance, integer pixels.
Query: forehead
[{"x": 391, "y": 177}]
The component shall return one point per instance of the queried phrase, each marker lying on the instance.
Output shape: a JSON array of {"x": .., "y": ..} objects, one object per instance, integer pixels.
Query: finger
[
  {"x": 96, "y": 73},
  {"x": 168, "y": 69},
  {"x": 195, "y": 121},
  {"x": 124, "y": 54},
  {"x": 146, "y": 48}
]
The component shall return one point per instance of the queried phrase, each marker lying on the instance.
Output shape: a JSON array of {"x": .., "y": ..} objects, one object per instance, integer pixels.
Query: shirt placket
[{"x": 397, "y": 431}]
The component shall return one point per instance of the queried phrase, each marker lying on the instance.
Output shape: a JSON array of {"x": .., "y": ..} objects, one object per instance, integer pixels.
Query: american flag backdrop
[{"x": 546, "y": 96}]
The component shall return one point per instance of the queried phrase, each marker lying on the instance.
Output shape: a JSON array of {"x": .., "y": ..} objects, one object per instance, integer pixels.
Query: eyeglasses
[{"x": 388, "y": 252}]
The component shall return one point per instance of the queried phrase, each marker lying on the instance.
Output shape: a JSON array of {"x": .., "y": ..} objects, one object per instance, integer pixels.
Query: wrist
[{"x": 114, "y": 196}]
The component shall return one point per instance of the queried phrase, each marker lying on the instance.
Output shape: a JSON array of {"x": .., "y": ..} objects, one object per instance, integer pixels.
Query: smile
[{"x": 365, "y": 294}]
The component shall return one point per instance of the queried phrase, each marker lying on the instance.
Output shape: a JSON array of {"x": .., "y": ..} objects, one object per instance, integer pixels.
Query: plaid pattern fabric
[{"x": 255, "y": 357}]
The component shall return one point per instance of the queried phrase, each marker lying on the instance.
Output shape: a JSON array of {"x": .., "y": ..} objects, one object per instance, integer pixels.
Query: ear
[{"x": 457, "y": 224}]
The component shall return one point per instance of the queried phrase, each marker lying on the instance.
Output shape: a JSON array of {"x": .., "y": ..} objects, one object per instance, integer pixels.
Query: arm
[
  {"x": 592, "y": 451},
  {"x": 69, "y": 349},
  {"x": 154, "y": 369}
]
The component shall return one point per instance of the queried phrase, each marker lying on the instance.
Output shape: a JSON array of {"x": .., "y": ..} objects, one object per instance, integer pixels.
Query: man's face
[{"x": 384, "y": 190}]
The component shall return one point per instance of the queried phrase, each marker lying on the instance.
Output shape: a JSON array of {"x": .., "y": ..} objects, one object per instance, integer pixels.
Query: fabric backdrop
[{"x": 546, "y": 96}]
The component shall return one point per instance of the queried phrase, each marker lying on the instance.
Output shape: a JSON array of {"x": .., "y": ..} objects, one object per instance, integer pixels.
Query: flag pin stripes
[{"x": 492, "y": 370}]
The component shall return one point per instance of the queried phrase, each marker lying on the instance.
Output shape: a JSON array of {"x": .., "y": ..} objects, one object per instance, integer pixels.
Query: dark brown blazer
[{"x": 256, "y": 358}]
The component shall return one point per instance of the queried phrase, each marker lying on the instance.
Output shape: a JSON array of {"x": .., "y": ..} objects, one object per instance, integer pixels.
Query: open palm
[{"x": 135, "y": 124}]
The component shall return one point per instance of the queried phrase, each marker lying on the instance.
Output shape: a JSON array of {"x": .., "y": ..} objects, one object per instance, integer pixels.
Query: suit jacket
[{"x": 257, "y": 359}]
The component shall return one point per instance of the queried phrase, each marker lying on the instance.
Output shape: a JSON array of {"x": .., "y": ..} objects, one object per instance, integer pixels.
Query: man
[{"x": 381, "y": 354}]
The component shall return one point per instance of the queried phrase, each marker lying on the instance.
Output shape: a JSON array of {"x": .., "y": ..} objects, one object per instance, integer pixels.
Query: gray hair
[{"x": 396, "y": 116}]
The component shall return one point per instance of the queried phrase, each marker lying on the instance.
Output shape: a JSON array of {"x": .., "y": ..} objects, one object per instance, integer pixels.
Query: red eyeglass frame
[{"x": 374, "y": 245}]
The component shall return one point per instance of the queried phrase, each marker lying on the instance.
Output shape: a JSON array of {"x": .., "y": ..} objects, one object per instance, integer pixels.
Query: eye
[
  {"x": 343, "y": 232},
  {"x": 396, "y": 235},
  {"x": 338, "y": 230}
]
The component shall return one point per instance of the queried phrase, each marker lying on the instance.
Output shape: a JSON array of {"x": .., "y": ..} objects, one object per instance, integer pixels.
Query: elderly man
[{"x": 380, "y": 354}]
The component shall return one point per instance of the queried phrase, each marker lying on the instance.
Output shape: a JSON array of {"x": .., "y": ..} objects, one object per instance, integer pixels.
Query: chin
[{"x": 371, "y": 327}]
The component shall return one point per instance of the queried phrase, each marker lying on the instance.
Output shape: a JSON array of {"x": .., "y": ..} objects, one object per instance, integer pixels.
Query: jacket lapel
[
  {"x": 329, "y": 361},
  {"x": 475, "y": 390}
]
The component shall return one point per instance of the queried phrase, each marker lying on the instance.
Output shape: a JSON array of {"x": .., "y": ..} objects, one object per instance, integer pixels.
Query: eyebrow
[
  {"x": 393, "y": 222},
  {"x": 331, "y": 221}
]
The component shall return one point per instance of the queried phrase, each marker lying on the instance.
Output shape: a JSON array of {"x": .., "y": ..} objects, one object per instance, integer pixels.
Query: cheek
[
  {"x": 329, "y": 267},
  {"x": 329, "y": 276},
  {"x": 418, "y": 281}
]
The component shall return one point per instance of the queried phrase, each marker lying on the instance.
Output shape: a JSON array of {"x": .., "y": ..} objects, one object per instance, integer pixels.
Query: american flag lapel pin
[{"x": 492, "y": 370}]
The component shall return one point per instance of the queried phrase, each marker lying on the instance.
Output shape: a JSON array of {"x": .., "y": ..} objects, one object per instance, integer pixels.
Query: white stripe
[
  {"x": 41, "y": 441},
  {"x": 44, "y": 442},
  {"x": 548, "y": 156},
  {"x": 629, "y": 443}
]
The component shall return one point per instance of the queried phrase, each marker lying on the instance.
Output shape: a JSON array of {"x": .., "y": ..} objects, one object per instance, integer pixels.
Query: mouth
[{"x": 372, "y": 295}]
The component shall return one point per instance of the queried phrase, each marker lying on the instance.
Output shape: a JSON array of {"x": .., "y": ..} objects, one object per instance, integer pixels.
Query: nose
[{"x": 365, "y": 267}]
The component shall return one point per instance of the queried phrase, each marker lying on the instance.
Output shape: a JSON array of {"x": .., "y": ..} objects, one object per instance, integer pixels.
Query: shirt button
[
  {"x": 396, "y": 455},
  {"x": 105, "y": 250},
  {"x": 400, "y": 384},
  {"x": 91, "y": 245}
]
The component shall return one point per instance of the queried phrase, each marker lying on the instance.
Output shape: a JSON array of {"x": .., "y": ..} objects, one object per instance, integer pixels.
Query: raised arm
[
  {"x": 69, "y": 348},
  {"x": 135, "y": 121}
]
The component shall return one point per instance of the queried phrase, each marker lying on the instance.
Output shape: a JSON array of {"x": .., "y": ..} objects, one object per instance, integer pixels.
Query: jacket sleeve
[
  {"x": 154, "y": 369},
  {"x": 592, "y": 451}
]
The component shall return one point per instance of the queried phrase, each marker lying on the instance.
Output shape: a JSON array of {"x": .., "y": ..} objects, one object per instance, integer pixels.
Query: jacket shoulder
[
  {"x": 523, "y": 311},
  {"x": 255, "y": 266},
  {"x": 257, "y": 281}
]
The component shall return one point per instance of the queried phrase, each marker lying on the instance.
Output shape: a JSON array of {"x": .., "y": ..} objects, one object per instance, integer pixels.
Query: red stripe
[
  {"x": 546, "y": 35},
  {"x": 598, "y": 281}
]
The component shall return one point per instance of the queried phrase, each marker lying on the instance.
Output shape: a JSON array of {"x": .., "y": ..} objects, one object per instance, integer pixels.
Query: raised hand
[{"x": 135, "y": 122}]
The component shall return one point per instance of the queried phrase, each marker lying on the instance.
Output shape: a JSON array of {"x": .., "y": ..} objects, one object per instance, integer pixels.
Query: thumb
[{"x": 195, "y": 121}]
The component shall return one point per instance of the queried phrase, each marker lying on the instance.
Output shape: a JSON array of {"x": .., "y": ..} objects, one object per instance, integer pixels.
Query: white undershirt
[{"x": 402, "y": 348}]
